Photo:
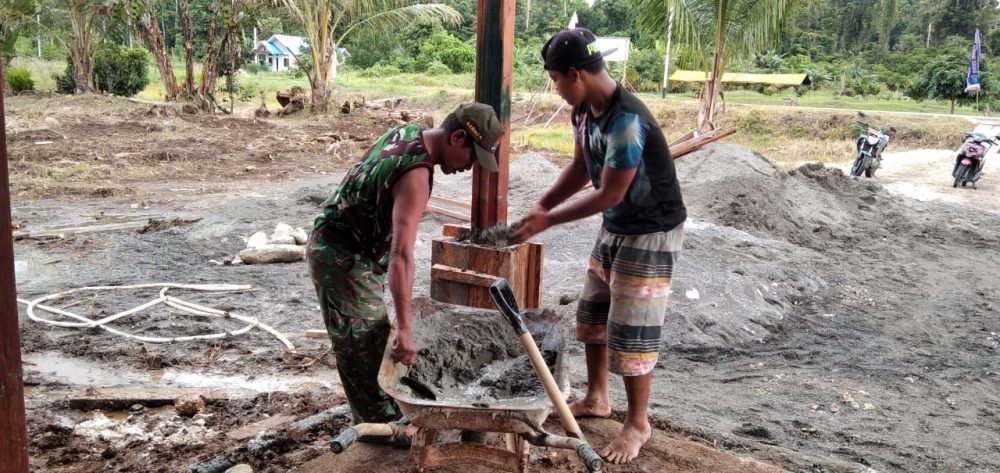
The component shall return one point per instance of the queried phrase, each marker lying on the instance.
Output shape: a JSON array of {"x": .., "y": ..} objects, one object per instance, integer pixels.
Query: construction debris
[
  {"x": 189, "y": 404},
  {"x": 285, "y": 245}
]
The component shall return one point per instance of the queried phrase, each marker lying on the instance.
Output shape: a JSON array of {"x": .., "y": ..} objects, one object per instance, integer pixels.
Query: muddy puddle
[
  {"x": 55, "y": 367},
  {"x": 473, "y": 357}
]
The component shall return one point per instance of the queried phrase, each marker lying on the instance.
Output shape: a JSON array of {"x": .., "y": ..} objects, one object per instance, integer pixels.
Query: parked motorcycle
[
  {"x": 870, "y": 145},
  {"x": 971, "y": 158}
]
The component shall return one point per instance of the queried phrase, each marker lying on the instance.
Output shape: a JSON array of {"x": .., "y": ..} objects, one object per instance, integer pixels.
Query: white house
[{"x": 279, "y": 51}]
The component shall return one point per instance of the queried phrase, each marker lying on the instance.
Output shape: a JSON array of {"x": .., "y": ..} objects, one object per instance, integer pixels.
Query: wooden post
[
  {"x": 13, "y": 434},
  {"x": 494, "y": 72}
]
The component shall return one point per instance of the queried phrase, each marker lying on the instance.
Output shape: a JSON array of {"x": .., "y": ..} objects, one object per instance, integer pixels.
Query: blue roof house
[{"x": 279, "y": 51}]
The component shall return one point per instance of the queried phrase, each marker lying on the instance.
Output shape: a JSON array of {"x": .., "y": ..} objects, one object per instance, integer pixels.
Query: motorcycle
[
  {"x": 971, "y": 158},
  {"x": 870, "y": 145}
]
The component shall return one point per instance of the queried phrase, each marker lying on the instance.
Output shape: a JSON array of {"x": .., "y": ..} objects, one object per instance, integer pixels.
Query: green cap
[{"x": 481, "y": 122}]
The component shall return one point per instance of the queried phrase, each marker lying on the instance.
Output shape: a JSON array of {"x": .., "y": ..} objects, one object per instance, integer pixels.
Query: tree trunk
[
  {"x": 319, "y": 76},
  {"x": 82, "y": 47},
  {"x": 188, "y": 52},
  {"x": 319, "y": 98},
  {"x": 213, "y": 57},
  {"x": 154, "y": 41},
  {"x": 527, "y": 16},
  {"x": 208, "y": 64},
  {"x": 952, "y": 106},
  {"x": 706, "y": 115}
]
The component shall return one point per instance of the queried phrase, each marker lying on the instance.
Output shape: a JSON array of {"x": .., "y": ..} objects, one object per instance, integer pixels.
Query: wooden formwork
[{"x": 461, "y": 273}]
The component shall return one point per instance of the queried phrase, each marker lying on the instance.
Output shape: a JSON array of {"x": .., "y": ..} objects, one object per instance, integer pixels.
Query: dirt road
[{"x": 818, "y": 323}]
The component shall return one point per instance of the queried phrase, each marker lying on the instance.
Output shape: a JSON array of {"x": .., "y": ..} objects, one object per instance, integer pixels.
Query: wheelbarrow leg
[
  {"x": 423, "y": 442},
  {"x": 524, "y": 452}
]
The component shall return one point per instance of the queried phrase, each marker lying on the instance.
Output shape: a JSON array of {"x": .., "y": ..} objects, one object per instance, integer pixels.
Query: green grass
[
  {"x": 556, "y": 137},
  {"x": 42, "y": 71},
  {"x": 827, "y": 99}
]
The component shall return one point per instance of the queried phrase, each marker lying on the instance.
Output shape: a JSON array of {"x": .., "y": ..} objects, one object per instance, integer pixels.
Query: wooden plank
[
  {"x": 452, "y": 202},
  {"x": 683, "y": 138},
  {"x": 107, "y": 227},
  {"x": 317, "y": 334},
  {"x": 494, "y": 76},
  {"x": 251, "y": 430},
  {"x": 447, "y": 213},
  {"x": 452, "y": 230},
  {"x": 464, "y": 276},
  {"x": 13, "y": 431},
  {"x": 698, "y": 142},
  {"x": 533, "y": 293},
  {"x": 124, "y": 398}
]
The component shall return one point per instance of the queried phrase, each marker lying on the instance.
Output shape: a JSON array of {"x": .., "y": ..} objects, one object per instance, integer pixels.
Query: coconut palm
[
  {"x": 720, "y": 31},
  {"x": 328, "y": 22}
]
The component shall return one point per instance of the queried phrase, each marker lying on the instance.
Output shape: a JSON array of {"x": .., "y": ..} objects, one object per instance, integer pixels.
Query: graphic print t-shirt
[{"x": 626, "y": 136}]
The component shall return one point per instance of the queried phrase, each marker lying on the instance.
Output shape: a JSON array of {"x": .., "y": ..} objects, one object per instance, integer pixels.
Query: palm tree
[
  {"x": 720, "y": 31},
  {"x": 327, "y": 22}
]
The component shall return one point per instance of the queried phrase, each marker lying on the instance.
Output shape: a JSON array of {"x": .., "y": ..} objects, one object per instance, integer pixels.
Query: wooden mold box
[{"x": 461, "y": 273}]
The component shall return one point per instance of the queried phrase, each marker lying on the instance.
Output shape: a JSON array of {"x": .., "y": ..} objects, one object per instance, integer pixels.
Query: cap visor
[{"x": 486, "y": 158}]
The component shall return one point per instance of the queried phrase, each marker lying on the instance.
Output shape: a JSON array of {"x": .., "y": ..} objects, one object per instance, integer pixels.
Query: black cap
[{"x": 575, "y": 47}]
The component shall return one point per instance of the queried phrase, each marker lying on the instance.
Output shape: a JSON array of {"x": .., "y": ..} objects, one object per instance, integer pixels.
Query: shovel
[{"x": 505, "y": 300}]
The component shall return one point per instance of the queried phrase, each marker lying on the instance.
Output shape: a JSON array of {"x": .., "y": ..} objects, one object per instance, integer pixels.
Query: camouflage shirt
[{"x": 357, "y": 217}]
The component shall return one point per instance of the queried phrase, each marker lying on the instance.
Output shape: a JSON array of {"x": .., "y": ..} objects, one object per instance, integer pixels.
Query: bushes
[
  {"x": 19, "y": 80},
  {"x": 380, "y": 71},
  {"x": 437, "y": 68},
  {"x": 117, "y": 70},
  {"x": 120, "y": 70},
  {"x": 448, "y": 50}
]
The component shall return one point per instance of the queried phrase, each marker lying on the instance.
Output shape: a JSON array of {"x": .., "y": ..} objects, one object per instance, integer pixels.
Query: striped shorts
[{"x": 624, "y": 298}]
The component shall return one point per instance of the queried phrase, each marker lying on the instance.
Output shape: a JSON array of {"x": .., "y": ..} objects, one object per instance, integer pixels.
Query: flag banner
[{"x": 972, "y": 78}]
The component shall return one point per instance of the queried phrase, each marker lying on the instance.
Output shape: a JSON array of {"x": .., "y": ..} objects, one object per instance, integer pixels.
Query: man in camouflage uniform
[{"x": 369, "y": 227}]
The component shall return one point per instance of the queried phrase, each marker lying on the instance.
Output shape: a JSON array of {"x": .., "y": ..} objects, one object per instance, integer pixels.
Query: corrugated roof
[
  {"x": 293, "y": 44},
  {"x": 744, "y": 78}
]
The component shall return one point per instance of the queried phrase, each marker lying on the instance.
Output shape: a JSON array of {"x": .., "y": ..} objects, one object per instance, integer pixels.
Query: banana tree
[
  {"x": 82, "y": 39},
  {"x": 145, "y": 22},
  {"x": 327, "y": 23},
  {"x": 16, "y": 16},
  {"x": 720, "y": 31}
]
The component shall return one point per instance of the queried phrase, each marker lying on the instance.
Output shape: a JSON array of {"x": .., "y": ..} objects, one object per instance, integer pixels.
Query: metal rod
[{"x": 13, "y": 432}]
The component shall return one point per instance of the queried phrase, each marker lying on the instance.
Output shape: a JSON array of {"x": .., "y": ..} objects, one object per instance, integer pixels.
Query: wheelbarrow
[{"x": 434, "y": 412}]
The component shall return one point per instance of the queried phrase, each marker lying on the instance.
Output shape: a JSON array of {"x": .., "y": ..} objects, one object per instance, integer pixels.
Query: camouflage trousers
[{"x": 350, "y": 289}]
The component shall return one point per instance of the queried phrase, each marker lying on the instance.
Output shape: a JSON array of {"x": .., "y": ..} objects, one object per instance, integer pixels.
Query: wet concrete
[{"x": 474, "y": 356}]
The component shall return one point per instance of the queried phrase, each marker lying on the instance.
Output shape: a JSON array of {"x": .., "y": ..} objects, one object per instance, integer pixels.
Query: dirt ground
[{"x": 817, "y": 323}]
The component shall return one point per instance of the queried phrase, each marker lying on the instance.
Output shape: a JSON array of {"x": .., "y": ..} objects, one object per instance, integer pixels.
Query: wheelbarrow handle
[
  {"x": 351, "y": 435},
  {"x": 344, "y": 440},
  {"x": 594, "y": 462}
]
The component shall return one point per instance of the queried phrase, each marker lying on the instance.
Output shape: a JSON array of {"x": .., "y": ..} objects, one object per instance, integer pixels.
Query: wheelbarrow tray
[{"x": 516, "y": 414}]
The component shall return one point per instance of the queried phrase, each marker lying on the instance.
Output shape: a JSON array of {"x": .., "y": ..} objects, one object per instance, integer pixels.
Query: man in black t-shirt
[{"x": 621, "y": 150}]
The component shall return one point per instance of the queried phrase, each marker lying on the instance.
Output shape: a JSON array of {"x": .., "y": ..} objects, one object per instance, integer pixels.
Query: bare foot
[
  {"x": 590, "y": 407},
  {"x": 625, "y": 447}
]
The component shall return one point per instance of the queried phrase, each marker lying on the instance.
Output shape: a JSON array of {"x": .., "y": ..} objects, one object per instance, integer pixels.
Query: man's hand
[
  {"x": 403, "y": 350},
  {"x": 537, "y": 221}
]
